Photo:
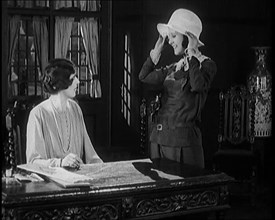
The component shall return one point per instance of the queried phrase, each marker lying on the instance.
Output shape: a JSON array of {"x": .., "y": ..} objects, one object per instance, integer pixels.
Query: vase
[{"x": 260, "y": 85}]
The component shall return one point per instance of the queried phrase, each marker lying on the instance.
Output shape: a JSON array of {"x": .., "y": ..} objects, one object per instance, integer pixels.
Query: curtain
[
  {"x": 92, "y": 5},
  {"x": 63, "y": 28},
  {"x": 41, "y": 41},
  {"x": 13, "y": 28},
  {"x": 89, "y": 30},
  {"x": 28, "y": 3},
  {"x": 62, "y": 4},
  {"x": 84, "y": 5}
]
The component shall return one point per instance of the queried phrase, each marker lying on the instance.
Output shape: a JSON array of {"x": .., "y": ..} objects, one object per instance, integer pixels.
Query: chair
[
  {"x": 9, "y": 148},
  {"x": 143, "y": 127},
  {"x": 236, "y": 155},
  {"x": 16, "y": 125},
  {"x": 147, "y": 117}
]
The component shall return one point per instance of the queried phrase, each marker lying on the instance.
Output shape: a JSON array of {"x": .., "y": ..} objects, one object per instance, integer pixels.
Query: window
[
  {"x": 126, "y": 85},
  {"x": 25, "y": 69},
  {"x": 77, "y": 54},
  {"x": 28, "y": 59}
]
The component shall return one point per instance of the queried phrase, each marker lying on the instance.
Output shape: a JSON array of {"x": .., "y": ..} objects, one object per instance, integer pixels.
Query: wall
[{"x": 126, "y": 19}]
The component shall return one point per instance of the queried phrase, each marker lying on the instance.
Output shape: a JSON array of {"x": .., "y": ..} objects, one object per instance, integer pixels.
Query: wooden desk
[{"x": 159, "y": 189}]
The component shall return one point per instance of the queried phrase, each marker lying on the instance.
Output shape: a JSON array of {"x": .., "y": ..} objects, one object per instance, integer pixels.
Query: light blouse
[{"x": 51, "y": 135}]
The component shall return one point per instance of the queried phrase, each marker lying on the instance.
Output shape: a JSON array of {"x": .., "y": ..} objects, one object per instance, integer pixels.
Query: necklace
[{"x": 62, "y": 119}]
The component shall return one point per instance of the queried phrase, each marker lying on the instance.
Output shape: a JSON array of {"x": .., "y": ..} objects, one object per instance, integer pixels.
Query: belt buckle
[{"x": 159, "y": 127}]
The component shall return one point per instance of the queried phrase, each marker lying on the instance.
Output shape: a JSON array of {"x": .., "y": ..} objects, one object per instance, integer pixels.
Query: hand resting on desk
[{"x": 71, "y": 162}]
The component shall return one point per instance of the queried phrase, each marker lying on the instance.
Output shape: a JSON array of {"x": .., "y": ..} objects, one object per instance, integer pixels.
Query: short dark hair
[
  {"x": 185, "y": 41},
  {"x": 57, "y": 75}
]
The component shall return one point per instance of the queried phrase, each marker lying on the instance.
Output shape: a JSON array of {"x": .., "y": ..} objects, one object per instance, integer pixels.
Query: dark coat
[{"x": 183, "y": 98}]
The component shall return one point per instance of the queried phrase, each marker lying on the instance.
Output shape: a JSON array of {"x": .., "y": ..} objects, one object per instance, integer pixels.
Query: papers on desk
[
  {"x": 124, "y": 173},
  {"x": 110, "y": 174},
  {"x": 59, "y": 175},
  {"x": 33, "y": 177}
]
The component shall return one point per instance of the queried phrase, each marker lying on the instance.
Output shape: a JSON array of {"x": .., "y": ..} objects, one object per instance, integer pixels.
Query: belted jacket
[{"x": 183, "y": 98}]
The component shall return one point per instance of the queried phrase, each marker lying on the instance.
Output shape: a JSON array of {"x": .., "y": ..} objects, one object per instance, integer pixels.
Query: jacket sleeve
[
  {"x": 201, "y": 75},
  {"x": 149, "y": 74}
]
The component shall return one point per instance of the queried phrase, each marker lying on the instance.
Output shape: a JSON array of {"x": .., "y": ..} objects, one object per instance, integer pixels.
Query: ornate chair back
[
  {"x": 236, "y": 155},
  {"x": 237, "y": 107},
  {"x": 16, "y": 125}
]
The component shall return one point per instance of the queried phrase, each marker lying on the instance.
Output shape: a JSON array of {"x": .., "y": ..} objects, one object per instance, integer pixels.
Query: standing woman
[
  {"x": 56, "y": 132},
  {"x": 176, "y": 134}
]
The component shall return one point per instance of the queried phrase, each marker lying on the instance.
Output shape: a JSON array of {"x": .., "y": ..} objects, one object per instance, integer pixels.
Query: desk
[{"x": 159, "y": 189}]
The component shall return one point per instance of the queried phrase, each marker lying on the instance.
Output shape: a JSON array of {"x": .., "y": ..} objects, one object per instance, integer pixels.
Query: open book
[{"x": 59, "y": 175}]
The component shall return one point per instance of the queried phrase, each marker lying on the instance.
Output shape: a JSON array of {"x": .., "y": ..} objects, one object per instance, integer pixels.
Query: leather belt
[{"x": 160, "y": 127}]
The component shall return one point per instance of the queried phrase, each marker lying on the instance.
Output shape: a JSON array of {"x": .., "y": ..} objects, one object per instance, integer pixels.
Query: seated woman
[{"x": 56, "y": 132}]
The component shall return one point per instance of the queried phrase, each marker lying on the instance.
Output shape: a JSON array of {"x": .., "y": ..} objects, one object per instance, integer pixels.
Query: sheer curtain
[
  {"x": 84, "y": 5},
  {"x": 89, "y": 30},
  {"x": 41, "y": 41},
  {"x": 63, "y": 28},
  {"x": 91, "y": 5},
  {"x": 62, "y": 4},
  {"x": 13, "y": 28}
]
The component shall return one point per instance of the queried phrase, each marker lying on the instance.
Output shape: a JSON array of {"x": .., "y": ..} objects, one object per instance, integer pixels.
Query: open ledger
[
  {"x": 109, "y": 174},
  {"x": 59, "y": 175}
]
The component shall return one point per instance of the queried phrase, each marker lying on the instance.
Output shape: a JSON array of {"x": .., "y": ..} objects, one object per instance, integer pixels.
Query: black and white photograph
[{"x": 136, "y": 109}]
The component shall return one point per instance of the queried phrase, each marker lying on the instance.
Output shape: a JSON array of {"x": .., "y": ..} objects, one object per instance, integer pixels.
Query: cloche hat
[{"x": 182, "y": 20}]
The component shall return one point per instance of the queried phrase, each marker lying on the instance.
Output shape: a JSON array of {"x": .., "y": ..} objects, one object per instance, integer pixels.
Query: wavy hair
[{"x": 57, "y": 75}]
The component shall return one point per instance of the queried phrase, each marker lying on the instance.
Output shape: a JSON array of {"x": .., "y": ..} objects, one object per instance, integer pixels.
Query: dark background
[{"x": 230, "y": 29}]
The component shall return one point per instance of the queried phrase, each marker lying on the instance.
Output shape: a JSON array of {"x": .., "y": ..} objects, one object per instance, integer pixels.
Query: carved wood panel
[{"x": 137, "y": 206}]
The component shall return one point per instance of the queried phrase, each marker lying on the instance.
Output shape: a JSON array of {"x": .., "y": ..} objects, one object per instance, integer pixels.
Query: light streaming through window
[
  {"x": 77, "y": 54},
  {"x": 126, "y": 85}
]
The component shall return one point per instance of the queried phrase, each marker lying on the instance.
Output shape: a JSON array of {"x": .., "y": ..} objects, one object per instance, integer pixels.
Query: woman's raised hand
[
  {"x": 192, "y": 41},
  {"x": 160, "y": 43},
  {"x": 156, "y": 52}
]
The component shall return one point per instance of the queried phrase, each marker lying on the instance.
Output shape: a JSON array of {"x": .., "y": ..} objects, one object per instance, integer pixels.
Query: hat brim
[{"x": 163, "y": 30}]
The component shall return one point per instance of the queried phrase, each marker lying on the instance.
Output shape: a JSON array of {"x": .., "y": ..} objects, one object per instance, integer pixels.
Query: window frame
[
  {"x": 51, "y": 13},
  {"x": 126, "y": 82}
]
